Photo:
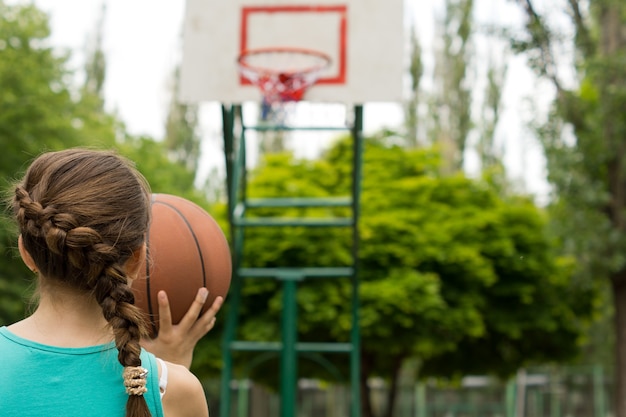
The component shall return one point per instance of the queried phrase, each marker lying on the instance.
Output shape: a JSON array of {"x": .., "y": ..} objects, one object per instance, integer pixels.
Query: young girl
[{"x": 83, "y": 217}]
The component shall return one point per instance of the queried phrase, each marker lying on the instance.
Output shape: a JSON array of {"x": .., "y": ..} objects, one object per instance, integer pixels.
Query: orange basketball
[{"x": 186, "y": 250}]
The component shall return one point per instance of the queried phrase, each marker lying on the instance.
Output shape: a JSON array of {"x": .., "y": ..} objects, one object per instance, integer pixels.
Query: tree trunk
[
  {"x": 612, "y": 44},
  {"x": 366, "y": 399},
  {"x": 393, "y": 386},
  {"x": 619, "y": 298},
  {"x": 366, "y": 402}
]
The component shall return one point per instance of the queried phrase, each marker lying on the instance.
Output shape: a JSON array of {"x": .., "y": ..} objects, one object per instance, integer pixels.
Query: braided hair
[{"x": 82, "y": 214}]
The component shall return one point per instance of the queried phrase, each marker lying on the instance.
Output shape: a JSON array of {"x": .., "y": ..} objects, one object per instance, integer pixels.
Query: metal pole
[
  {"x": 599, "y": 404},
  {"x": 243, "y": 393},
  {"x": 520, "y": 403},
  {"x": 232, "y": 309},
  {"x": 227, "y": 125},
  {"x": 289, "y": 357},
  {"x": 355, "y": 334},
  {"x": 510, "y": 398},
  {"x": 420, "y": 400}
]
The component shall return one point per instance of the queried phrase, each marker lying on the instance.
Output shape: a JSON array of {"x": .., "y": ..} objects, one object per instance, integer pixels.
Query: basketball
[{"x": 186, "y": 250}]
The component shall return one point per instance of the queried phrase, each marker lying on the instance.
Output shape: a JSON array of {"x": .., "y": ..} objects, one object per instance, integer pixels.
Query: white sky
[{"x": 142, "y": 44}]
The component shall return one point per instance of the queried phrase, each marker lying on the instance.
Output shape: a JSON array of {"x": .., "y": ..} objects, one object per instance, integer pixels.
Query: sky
[{"x": 142, "y": 43}]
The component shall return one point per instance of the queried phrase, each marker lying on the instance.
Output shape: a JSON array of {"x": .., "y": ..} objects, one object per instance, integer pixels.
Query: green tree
[
  {"x": 38, "y": 112},
  {"x": 446, "y": 262},
  {"x": 36, "y": 107},
  {"x": 42, "y": 109},
  {"x": 585, "y": 145},
  {"x": 164, "y": 175},
  {"x": 451, "y": 101},
  {"x": 95, "y": 66},
  {"x": 488, "y": 152},
  {"x": 182, "y": 138},
  {"x": 411, "y": 107}
]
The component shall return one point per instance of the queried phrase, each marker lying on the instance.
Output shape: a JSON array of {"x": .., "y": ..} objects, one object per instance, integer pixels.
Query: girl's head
[{"x": 82, "y": 215}]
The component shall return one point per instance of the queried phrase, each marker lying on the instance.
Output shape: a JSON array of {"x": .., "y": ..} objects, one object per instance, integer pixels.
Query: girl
[{"x": 83, "y": 217}]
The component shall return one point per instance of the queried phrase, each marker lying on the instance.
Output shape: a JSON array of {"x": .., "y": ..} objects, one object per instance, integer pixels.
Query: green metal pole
[
  {"x": 510, "y": 398},
  {"x": 288, "y": 359},
  {"x": 539, "y": 397},
  {"x": 227, "y": 125},
  {"x": 242, "y": 190},
  {"x": 420, "y": 400},
  {"x": 555, "y": 394},
  {"x": 234, "y": 296},
  {"x": 599, "y": 405},
  {"x": 227, "y": 129},
  {"x": 355, "y": 334},
  {"x": 243, "y": 393}
]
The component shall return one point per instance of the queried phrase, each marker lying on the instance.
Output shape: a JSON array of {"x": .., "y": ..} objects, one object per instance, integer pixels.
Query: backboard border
[{"x": 342, "y": 10}]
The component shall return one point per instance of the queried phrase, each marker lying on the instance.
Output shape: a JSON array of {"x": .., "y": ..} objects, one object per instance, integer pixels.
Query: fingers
[
  {"x": 192, "y": 314},
  {"x": 176, "y": 343},
  {"x": 215, "y": 307},
  {"x": 207, "y": 321},
  {"x": 165, "y": 314}
]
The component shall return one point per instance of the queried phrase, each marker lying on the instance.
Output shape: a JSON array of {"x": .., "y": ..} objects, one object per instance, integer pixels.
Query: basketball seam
[{"x": 193, "y": 234}]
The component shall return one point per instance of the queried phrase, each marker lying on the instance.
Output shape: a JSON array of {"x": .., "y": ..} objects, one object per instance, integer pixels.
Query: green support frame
[{"x": 288, "y": 348}]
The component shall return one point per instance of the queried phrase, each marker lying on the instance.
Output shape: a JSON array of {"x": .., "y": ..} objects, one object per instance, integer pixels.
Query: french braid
[{"x": 81, "y": 215}]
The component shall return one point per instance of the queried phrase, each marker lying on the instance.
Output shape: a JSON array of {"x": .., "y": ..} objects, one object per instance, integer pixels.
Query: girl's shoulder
[{"x": 184, "y": 395}]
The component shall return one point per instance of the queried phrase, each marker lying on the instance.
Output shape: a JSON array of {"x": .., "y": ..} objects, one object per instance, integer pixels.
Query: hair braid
[
  {"x": 116, "y": 298},
  {"x": 27, "y": 212},
  {"x": 81, "y": 215}
]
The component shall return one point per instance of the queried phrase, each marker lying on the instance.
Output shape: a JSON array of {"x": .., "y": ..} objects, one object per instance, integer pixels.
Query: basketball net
[{"x": 283, "y": 76}]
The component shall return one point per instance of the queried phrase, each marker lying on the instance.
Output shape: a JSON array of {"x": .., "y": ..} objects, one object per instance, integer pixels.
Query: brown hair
[{"x": 81, "y": 214}]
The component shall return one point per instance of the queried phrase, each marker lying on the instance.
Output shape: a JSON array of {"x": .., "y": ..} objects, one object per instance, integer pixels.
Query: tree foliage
[
  {"x": 451, "y": 103},
  {"x": 412, "y": 106},
  {"x": 182, "y": 138},
  {"x": 38, "y": 111},
  {"x": 42, "y": 109},
  {"x": 584, "y": 140},
  {"x": 449, "y": 269}
]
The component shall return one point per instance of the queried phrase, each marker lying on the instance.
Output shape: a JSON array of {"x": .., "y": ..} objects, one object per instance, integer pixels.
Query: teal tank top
[{"x": 46, "y": 381}]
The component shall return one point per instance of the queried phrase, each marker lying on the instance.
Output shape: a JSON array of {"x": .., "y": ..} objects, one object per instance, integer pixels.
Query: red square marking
[{"x": 341, "y": 10}]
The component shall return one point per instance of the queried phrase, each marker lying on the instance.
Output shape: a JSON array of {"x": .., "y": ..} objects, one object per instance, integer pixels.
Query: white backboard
[{"x": 363, "y": 38}]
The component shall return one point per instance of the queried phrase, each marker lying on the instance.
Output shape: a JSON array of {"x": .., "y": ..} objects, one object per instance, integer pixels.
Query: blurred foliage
[
  {"x": 42, "y": 109},
  {"x": 38, "y": 111},
  {"x": 584, "y": 141},
  {"x": 449, "y": 270},
  {"x": 182, "y": 137}
]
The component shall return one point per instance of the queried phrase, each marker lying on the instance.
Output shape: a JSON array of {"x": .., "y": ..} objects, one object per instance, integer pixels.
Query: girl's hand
[{"x": 176, "y": 342}]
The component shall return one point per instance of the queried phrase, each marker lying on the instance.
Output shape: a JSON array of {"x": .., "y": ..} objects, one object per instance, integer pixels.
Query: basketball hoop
[{"x": 282, "y": 74}]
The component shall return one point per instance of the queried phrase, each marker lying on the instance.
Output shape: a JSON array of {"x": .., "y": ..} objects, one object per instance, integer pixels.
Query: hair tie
[{"x": 135, "y": 380}]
